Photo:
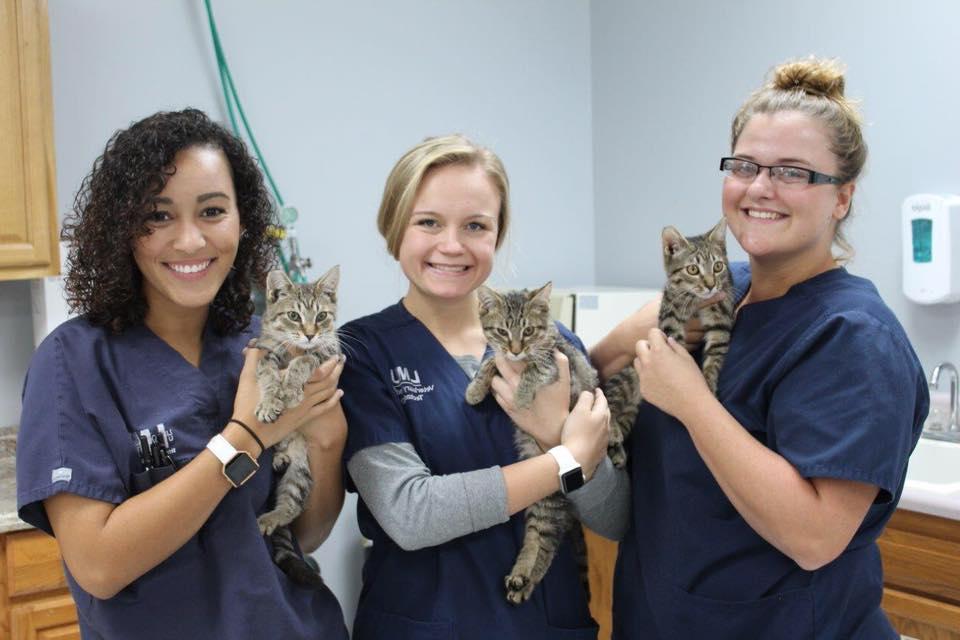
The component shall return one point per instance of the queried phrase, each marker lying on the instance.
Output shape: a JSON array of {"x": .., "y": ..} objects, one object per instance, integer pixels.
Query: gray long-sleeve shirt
[{"x": 418, "y": 509}]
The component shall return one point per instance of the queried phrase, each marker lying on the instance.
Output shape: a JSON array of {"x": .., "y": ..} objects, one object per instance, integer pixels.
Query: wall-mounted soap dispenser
[{"x": 931, "y": 248}]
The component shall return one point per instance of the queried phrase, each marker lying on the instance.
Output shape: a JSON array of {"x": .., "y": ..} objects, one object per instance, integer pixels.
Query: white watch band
[
  {"x": 222, "y": 448},
  {"x": 564, "y": 458}
]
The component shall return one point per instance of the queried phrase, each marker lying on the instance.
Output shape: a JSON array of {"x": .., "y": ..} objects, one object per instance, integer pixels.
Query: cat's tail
[
  {"x": 293, "y": 564},
  {"x": 623, "y": 396}
]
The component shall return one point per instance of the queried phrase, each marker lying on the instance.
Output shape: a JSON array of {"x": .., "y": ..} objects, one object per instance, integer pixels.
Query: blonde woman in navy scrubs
[
  {"x": 755, "y": 514},
  {"x": 441, "y": 491},
  {"x": 167, "y": 235}
]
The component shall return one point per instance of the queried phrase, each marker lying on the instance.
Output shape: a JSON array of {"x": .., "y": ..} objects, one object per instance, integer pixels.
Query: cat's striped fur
[
  {"x": 517, "y": 324},
  {"x": 298, "y": 334},
  {"x": 697, "y": 269}
]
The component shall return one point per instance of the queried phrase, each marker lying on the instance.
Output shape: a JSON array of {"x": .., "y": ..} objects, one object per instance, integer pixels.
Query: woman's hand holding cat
[
  {"x": 320, "y": 395},
  {"x": 586, "y": 431},
  {"x": 669, "y": 376},
  {"x": 329, "y": 429},
  {"x": 544, "y": 418}
]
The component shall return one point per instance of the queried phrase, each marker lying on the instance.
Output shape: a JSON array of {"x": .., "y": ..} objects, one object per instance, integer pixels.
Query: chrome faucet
[{"x": 952, "y": 429}]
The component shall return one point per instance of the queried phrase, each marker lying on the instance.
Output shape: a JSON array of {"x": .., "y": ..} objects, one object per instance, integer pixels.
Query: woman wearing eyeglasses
[{"x": 755, "y": 513}]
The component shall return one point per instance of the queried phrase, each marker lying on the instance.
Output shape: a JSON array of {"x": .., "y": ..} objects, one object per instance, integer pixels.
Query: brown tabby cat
[
  {"x": 697, "y": 269},
  {"x": 298, "y": 335},
  {"x": 517, "y": 325}
]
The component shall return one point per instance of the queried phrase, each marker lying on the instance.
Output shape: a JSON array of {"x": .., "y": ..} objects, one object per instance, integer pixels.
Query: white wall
[
  {"x": 16, "y": 346},
  {"x": 668, "y": 78},
  {"x": 336, "y": 92}
]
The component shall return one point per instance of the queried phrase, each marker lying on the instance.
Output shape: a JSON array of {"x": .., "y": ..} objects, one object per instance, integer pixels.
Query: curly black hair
[{"x": 113, "y": 205}]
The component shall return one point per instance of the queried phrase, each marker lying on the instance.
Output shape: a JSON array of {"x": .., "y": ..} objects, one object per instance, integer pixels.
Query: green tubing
[{"x": 232, "y": 99}]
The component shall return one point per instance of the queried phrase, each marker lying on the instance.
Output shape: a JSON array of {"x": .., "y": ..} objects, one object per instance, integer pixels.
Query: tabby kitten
[
  {"x": 517, "y": 324},
  {"x": 697, "y": 269},
  {"x": 298, "y": 335}
]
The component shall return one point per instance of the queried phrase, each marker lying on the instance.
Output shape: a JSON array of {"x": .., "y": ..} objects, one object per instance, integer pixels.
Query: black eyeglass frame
[{"x": 815, "y": 176}]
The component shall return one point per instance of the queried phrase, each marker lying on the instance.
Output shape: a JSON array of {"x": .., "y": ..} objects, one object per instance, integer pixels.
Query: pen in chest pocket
[{"x": 154, "y": 450}]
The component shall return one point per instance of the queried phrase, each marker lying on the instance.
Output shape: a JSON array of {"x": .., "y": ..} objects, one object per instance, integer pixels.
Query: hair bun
[{"x": 812, "y": 76}]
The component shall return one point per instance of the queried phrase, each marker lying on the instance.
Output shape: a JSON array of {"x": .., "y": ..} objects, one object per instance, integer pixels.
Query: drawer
[
  {"x": 919, "y": 617},
  {"x": 33, "y": 563},
  {"x": 52, "y": 618}
]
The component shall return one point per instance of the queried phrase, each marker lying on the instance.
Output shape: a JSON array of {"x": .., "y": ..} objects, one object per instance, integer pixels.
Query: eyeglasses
[{"x": 781, "y": 174}]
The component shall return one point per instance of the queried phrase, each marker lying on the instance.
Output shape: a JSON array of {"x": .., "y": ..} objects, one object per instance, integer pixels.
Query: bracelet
[{"x": 251, "y": 432}]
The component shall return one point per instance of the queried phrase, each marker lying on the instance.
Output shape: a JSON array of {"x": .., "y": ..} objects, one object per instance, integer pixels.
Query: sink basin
[
  {"x": 935, "y": 465},
  {"x": 933, "y": 479}
]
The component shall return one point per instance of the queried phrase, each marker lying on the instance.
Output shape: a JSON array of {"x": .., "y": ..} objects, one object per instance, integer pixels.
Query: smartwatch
[
  {"x": 571, "y": 474},
  {"x": 238, "y": 466}
]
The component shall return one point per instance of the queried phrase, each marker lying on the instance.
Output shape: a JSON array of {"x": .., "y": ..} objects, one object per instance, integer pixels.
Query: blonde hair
[
  {"x": 404, "y": 180},
  {"x": 814, "y": 87}
]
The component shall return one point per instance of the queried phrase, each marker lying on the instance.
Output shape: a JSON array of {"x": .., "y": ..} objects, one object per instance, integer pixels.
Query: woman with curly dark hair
[{"x": 138, "y": 446}]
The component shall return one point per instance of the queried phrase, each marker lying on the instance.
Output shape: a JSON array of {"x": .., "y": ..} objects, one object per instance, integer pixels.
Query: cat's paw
[
  {"x": 475, "y": 393},
  {"x": 269, "y": 521},
  {"x": 617, "y": 455},
  {"x": 281, "y": 460},
  {"x": 519, "y": 588},
  {"x": 269, "y": 409}
]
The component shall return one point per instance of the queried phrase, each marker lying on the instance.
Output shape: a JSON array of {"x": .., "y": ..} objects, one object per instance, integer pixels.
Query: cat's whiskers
[{"x": 348, "y": 342}]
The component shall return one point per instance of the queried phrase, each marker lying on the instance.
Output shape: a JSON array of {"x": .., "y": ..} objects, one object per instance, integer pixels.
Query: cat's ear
[
  {"x": 278, "y": 284},
  {"x": 488, "y": 299},
  {"x": 718, "y": 235},
  {"x": 328, "y": 282},
  {"x": 673, "y": 241},
  {"x": 542, "y": 294}
]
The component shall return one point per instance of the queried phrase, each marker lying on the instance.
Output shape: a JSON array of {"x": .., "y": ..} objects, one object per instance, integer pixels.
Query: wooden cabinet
[
  {"x": 601, "y": 559},
  {"x": 34, "y": 601},
  {"x": 921, "y": 566},
  {"x": 28, "y": 217}
]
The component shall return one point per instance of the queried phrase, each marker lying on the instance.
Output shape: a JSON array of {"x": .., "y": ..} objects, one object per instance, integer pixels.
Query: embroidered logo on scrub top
[{"x": 408, "y": 387}]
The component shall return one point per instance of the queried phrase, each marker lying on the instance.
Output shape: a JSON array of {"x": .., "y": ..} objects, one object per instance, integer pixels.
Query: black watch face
[
  {"x": 572, "y": 480},
  {"x": 240, "y": 469}
]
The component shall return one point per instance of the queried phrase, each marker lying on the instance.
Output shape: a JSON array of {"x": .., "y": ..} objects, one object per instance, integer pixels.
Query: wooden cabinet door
[
  {"x": 923, "y": 618},
  {"x": 45, "y": 619},
  {"x": 601, "y": 560},
  {"x": 33, "y": 564},
  {"x": 28, "y": 219}
]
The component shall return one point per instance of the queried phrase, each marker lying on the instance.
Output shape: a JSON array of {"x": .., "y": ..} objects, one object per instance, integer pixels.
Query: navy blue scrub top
[
  {"x": 401, "y": 386},
  {"x": 825, "y": 377},
  {"x": 86, "y": 394}
]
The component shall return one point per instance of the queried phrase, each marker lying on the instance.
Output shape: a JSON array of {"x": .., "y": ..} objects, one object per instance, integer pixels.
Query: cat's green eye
[
  {"x": 528, "y": 331},
  {"x": 503, "y": 332},
  {"x": 321, "y": 316},
  {"x": 693, "y": 269},
  {"x": 293, "y": 315},
  {"x": 718, "y": 267}
]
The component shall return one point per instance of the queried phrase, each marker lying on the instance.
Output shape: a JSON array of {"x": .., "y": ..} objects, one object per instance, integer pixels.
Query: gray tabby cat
[
  {"x": 697, "y": 269},
  {"x": 517, "y": 324},
  {"x": 298, "y": 334}
]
